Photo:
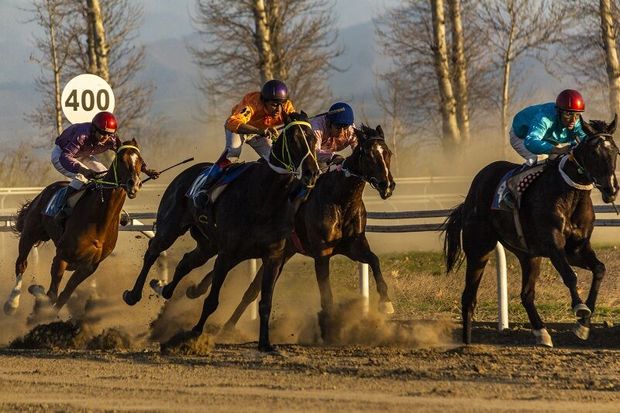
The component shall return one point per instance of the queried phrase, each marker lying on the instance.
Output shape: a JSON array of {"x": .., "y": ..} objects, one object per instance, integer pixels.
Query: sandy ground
[{"x": 236, "y": 377}]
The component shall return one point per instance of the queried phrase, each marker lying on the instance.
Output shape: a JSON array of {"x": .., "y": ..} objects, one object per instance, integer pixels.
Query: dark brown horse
[
  {"x": 90, "y": 233},
  {"x": 333, "y": 221},
  {"x": 252, "y": 219},
  {"x": 557, "y": 219}
]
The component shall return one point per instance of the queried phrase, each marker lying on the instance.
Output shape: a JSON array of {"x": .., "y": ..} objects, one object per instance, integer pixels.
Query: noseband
[
  {"x": 101, "y": 184},
  {"x": 372, "y": 181},
  {"x": 582, "y": 170}
]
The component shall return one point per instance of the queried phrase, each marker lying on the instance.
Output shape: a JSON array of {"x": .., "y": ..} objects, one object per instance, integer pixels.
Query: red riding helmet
[
  {"x": 105, "y": 122},
  {"x": 571, "y": 101}
]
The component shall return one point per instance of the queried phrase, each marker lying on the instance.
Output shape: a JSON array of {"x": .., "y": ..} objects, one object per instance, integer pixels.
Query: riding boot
[
  {"x": 202, "y": 197},
  {"x": 66, "y": 210}
]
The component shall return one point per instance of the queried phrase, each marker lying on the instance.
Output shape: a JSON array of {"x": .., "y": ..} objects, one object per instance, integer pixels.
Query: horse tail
[
  {"x": 20, "y": 217},
  {"x": 452, "y": 237}
]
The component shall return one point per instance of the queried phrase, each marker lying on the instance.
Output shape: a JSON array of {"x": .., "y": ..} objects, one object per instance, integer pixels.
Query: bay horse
[
  {"x": 253, "y": 217},
  {"x": 333, "y": 221},
  {"x": 557, "y": 220},
  {"x": 90, "y": 232}
]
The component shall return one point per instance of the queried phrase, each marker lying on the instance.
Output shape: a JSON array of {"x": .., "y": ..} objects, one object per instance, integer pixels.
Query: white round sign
[{"x": 84, "y": 96}]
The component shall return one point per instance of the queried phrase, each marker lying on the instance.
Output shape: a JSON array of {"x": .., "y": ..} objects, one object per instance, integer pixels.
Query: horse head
[
  {"x": 294, "y": 149},
  {"x": 127, "y": 167},
  {"x": 371, "y": 159},
  {"x": 597, "y": 155}
]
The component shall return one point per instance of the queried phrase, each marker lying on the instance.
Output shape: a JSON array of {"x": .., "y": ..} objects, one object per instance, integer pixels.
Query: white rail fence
[
  {"x": 422, "y": 195},
  {"x": 137, "y": 224}
]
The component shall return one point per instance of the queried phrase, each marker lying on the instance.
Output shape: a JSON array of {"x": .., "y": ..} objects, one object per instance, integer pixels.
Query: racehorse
[
  {"x": 90, "y": 232},
  {"x": 333, "y": 221},
  {"x": 556, "y": 217},
  {"x": 253, "y": 217}
]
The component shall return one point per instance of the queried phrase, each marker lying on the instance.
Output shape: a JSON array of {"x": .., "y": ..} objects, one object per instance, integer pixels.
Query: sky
[{"x": 163, "y": 19}]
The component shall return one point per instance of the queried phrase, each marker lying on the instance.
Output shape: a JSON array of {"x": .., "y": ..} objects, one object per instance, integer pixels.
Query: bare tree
[
  {"x": 96, "y": 40},
  {"x": 53, "y": 49},
  {"x": 460, "y": 70},
  {"x": 249, "y": 41},
  {"x": 451, "y": 133},
  {"x": 609, "y": 33},
  {"x": 518, "y": 28}
]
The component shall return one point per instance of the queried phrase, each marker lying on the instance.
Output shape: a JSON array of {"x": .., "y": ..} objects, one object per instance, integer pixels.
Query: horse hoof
[
  {"x": 268, "y": 348},
  {"x": 10, "y": 308},
  {"x": 582, "y": 311},
  {"x": 36, "y": 290},
  {"x": 581, "y": 331},
  {"x": 129, "y": 298},
  {"x": 157, "y": 286},
  {"x": 386, "y": 307},
  {"x": 543, "y": 338},
  {"x": 191, "y": 292}
]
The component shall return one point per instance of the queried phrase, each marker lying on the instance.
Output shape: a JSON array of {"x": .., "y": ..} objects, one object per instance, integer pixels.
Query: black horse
[
  {"x": 252, "y": 219},
  {"x": 556, "y": 217},
  {"x": 333, "y": 221}
]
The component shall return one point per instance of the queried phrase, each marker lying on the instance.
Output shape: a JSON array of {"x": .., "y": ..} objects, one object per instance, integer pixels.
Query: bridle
[
  {"x": 286, "y": 158},
  {"x": 102, "y": 184},
  {"x": 372, "y": 181}
]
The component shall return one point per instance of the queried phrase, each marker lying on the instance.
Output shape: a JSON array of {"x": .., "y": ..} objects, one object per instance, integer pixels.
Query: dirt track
[{"x": 236, "y": 377}]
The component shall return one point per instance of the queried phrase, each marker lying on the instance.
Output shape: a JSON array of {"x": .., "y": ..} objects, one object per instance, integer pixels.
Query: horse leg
[
  {"x": 223, "y": 264},
  {"x": 76, "y": 279},
  {"x": 194, "y": 259},
  {"x": 321, "y": 268},
  {"x": 478, "y": 244},
  {"x": 25, "y": 245},
  {"x": 360, "y": 251},
  {"x": 59, "y": 266},
  {"x": 250, "y": 294},
  {"x": 587, "y": 259},
  {"x": 163, "y": 240},
  {"x": 196, "y": 290},
  {"x": 559, "y": 260},
  {"x": 530, "y": 270},
  {"x": 271, "y": 270}
]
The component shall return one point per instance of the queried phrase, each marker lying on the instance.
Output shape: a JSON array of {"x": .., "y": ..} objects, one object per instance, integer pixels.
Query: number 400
[{"x": 88, "y": 100}]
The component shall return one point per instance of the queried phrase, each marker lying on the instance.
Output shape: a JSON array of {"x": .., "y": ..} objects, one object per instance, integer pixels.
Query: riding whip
[{"x": 170, "y": 167}]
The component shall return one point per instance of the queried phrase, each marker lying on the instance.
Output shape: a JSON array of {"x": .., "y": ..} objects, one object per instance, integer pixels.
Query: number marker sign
[{"x": 84, "y": 96}]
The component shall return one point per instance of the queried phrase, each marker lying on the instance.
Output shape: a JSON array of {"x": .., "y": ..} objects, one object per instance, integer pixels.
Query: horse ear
[
  {"x": 134, "y": 142},
  {"x": 304, "y": 114},
  {"x": 611, "y": 128},
  {"x": 380, "y": 132},
  {"x": 360, "y": 135},
  {"x": 587, "y": 128}
]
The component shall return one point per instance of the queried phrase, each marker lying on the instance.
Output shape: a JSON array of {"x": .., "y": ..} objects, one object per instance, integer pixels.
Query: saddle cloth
[
  {"x": 57, "y": 201},
  {"x": 524, "y": 174},
  {"x": 230, "y": 174}
]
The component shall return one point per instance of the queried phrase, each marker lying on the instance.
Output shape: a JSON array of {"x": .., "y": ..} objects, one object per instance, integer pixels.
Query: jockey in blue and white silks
[{"x": 549, "y": 128}]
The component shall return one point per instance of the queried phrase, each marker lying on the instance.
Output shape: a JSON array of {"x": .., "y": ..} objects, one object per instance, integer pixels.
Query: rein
[
  {"x": 102, "y": 184},
  {"x": 372, "y": 181},
  {"x": 583, "y": 171},
  {"x": 286, "y": 158}
]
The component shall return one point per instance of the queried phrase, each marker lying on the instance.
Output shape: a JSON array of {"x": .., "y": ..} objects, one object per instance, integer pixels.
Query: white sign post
[{"x": 84, "y": 96}]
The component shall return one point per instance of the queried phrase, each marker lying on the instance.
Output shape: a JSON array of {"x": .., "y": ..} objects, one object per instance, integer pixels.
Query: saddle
[
  {"x": 214, "y": 190},
  {"x": 58, "y": 200}
]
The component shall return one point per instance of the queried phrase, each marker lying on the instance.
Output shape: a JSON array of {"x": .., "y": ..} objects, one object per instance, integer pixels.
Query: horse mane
[{"x": 598, "y": 125}]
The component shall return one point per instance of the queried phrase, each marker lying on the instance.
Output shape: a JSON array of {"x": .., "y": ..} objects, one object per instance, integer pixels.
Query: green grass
[{"x": 420, "y": 288}]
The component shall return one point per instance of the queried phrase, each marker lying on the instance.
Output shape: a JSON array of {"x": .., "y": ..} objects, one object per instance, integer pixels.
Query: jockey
[
  {"x": 73, "y": 153},
  {"x": 334, "y": 132},
  {"x": 546, "y": 131},
  {"x": 252, "y": 121}
]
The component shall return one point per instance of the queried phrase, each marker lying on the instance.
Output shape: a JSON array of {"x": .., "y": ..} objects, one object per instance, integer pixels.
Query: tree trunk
[
  {"x": 451, "y": 135},
  {"x": 460, "y": 70},
  {"x": 51, "y": 12},
  {"x": 507, "y": 66},
  {"x": 262, "y": 40},
  {"x": 99, "y": 45},
  {"x": 608, "y": 32}
]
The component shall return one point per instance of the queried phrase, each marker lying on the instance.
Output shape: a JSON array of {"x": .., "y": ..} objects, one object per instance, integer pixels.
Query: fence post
[
  {"x": 254, "y": 306},
  {"x": 502, "y": 287},
  {"x": 363, "y": 284}
]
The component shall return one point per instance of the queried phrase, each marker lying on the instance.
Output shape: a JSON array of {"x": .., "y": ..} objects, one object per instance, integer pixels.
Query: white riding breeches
[
  {"x": 235, "y": 141},
  {"x": 77, "y": 179}
]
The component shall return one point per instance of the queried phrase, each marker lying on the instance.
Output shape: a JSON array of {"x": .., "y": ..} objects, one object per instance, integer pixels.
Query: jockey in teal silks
[{"x": 545, "y": 131}]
